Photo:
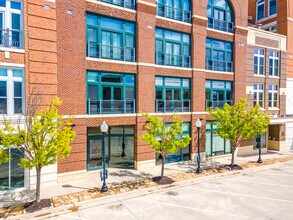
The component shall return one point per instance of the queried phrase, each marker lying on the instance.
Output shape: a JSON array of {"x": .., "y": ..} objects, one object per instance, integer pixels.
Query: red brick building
[
  {"x": 114, "y": 60},
  {"x": 159, "y": 66}
]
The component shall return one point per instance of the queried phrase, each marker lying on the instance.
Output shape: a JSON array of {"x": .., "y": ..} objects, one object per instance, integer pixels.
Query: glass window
[
  {"x": 10, "y": 23},
  {"x": 219, "y": 55},
  {"x": 220, "y": 15},
  {"x": 174, "y": 9},
  {"x": 12, "y": 176},
  {"x": 273, "y": 96},
  {"x": 258, "y": 61},
  {"x": 109, "y": 93},
  {"x": 172, "y": 94},
  {"x": 218, "y": 93},
  {"x": 260, "y": 8},
  {"x": 172, "y": 48},
  {"x": 110, "y": 38},
  {"x": 215, "y": 145},
  {"x": 272, "y": 7},
  {"x": 274, "y": 63},
  {"x": 258, "y": 95},
  {"x": 125, "y": 3},
  {"x": 11, "y": 102}
]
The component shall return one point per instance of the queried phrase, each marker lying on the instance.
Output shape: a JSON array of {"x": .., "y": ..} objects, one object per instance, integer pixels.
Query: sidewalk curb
[{"x": 61, "y": 210}]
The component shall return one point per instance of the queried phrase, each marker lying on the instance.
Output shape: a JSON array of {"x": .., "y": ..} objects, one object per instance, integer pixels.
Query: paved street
[{"x": 262, "y": 194}]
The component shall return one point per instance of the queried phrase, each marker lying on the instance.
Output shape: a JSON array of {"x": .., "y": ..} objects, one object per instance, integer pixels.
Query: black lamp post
[
  {"x": 198, "y": 125},
  {"x": 104, "y": 176},
  {"x": 258, "y": 145}
]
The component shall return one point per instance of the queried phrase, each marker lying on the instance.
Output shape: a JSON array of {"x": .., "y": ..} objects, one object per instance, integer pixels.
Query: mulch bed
[
  {"x": 35, "y": 206},
  {"x": 163, "y": 180},
  {"x": 129, "y": 186}
]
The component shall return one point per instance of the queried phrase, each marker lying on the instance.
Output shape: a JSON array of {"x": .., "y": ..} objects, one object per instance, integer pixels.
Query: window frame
[
  {"x": 226, "y": 51},
  {"x": 257, "y": 90},
  {"x": 273, "y": 89},
  {"x": 99, "y": 30},
  {"x": 227, "y": 10},
  {"x": 211, "y": 89},
  {"x": 10, "y": 79},
  {"x": 258, "y": 4},
  {"x": 7, "y": 17},
  {"x": 180, "y": 42},
  {"x": 274, "y": 56},
  {"x": 259, "y": 56},
  {"x": 269, "y": 8},
  {"x": 99, "y": 84},
  {"x": 164, "y": 13}
]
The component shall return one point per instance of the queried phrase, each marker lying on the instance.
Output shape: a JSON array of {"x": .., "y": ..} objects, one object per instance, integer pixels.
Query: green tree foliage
[
  {"x": 164, "y": 140},
  {"x": 45, "y": 137},
  {"x": 236, "y": 123}
]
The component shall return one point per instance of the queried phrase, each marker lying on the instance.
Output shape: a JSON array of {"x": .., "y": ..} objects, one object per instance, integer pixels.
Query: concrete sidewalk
[{"x": 92, "y": 179}]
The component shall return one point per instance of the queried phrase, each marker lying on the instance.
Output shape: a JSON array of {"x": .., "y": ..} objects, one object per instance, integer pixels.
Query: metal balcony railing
[
  {"x": 123, "y": 3},
  {"x": 11, "y": 38},
  {"x": 110, "y": 52},
  {"x": 219, "y": 65},
  {"x": 172, "y": 105},
  {"x": 97, "y": 106},
  {"x": 173, "y": 60},
  {"x": 173, "y": 13},
  {"x": 220, "y": 25},
  {"x": 219, "y": 104}
]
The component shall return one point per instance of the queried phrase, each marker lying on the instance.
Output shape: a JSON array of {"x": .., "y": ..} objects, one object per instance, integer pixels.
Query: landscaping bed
[{"x": 128, "y": 186}]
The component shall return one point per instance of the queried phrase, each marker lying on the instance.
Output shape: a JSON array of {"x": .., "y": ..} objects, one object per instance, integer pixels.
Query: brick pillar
[
  {"x": 145, "y": 82},
  {"x": 41, "y": 51},
  {"x": 240, "y": 51}
]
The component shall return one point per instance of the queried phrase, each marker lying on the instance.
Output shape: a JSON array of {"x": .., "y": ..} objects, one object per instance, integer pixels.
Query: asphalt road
[{"x": 262, "y": 194}]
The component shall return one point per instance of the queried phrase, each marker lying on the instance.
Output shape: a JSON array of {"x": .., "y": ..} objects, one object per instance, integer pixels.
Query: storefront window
[
  {"x": 181, "y": 155},
  {"x": 119, "y": 145},
  {"x": 11, "y": 175},
  {"x": 215, "y": 145}
]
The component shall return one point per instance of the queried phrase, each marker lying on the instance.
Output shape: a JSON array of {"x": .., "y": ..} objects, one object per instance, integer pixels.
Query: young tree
[
  {"x": 44, "y": 137},
  {"x": 236, "y": 124},
  {"x": 164, "y": 140}
]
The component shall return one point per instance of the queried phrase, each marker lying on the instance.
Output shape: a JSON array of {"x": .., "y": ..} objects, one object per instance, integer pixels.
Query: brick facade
[{"x": 73, "y": 64}]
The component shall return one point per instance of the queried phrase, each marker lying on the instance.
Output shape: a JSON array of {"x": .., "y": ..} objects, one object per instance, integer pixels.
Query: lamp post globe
[
  {"x": 198, "y": 125},
  {"x": 104, "y": 129}
]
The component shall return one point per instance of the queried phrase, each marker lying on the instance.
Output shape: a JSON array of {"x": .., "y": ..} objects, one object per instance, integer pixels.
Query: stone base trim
[
  {"x": 248, "y": 151},
  {"x": 71, "y": 176},
  {"x": 202, "y": 157},
  {"x": 146, "y": 164},
  {"x": 277, "y": 145}
]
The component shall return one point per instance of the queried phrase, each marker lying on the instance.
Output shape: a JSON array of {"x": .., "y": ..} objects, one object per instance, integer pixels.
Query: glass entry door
[
  {"x": 112, "y": 99},
  {"x": 94, "y": 152}
]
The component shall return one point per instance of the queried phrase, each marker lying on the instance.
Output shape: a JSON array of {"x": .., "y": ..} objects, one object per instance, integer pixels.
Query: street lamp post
[
  {"x": 104, "y": 129},
  {"x": 258, "y": 145},
  {"x": 198, "y": 125}
]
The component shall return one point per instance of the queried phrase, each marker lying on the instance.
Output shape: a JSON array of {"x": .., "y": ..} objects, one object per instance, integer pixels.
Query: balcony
[
  {"x": 123, "y": 3},
  {"x": 96, "y": 50},
  {"x": 173, "y": 60},
  {"x": 220, "y": 25},
  {"x": 217, "y": 104},
  {"x": 219, "y": 65},
  {"x": 172, "y": 105},
  {"x": 125, "y": 106},
  {"x": 10, "y": 38},
  {"x": 173, "y": 13}
]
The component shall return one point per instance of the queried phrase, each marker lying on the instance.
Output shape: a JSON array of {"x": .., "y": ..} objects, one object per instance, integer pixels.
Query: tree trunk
[
  {"x": 163, "y": 166},
  {"x": 38, "y": 188},
  {"x": 233, "y": 156}
]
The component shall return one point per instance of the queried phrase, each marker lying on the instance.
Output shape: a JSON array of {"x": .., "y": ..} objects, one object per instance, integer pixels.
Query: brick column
[{"x": 145, "y": 81}]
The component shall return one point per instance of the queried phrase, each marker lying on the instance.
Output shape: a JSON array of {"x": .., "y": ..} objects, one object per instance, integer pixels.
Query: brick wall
[
  {"x": 41, "y": 51},
  {"x": 72, "y": 67}
]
